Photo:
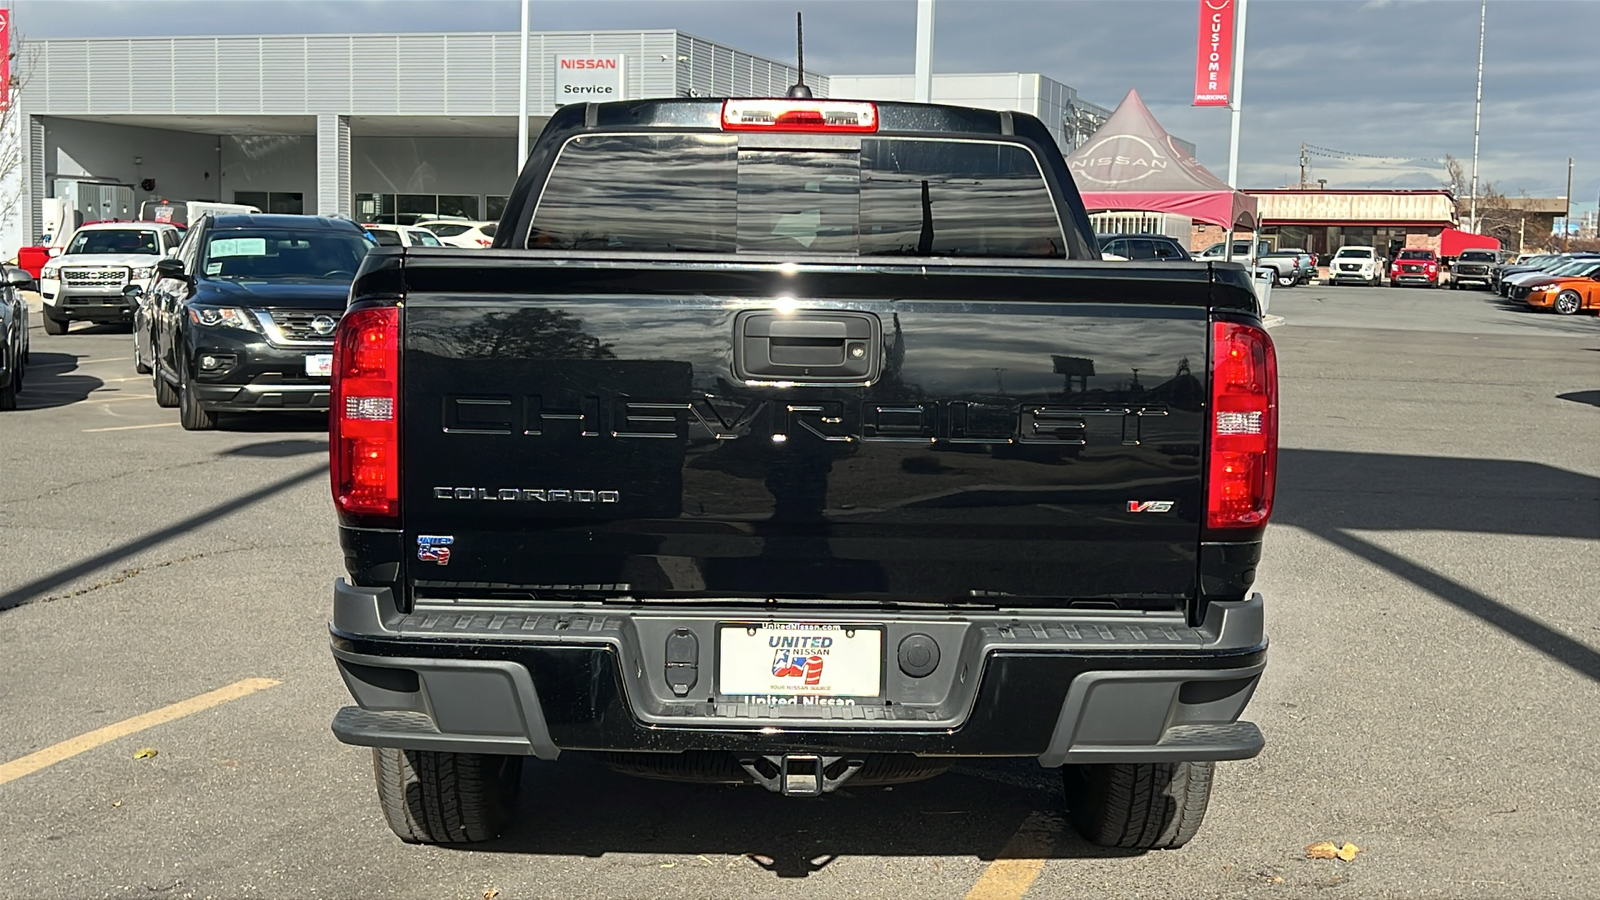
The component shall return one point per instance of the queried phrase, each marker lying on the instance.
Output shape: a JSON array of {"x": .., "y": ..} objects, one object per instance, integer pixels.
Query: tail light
[
  {"x": 364, "y": 424},
  {"x": 1244, "y": 427},
  {"x": 837, "y": 116}
]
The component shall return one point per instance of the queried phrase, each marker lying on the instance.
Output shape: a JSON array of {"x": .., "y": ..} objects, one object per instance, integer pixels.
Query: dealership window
[
  {"x": 291, "y": 203},
  {"x": 494, "y": 207},
  {"x": 407, "y": 208}
]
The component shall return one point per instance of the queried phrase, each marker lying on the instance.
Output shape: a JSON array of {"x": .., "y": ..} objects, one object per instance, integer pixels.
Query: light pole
[
  {"x": 924, "y": 67},
  {"x": 522, "y": 94},
  {"x": 1566, "y": 220},
  {"x": 1477, "y": 119},
  {"x": 1238, "y": 101}
]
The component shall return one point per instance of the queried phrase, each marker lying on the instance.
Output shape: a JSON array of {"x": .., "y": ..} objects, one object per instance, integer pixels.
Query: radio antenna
[{"x": 799, "y": 89}]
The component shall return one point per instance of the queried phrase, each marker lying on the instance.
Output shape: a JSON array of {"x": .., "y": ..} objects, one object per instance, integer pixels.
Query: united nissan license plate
[
  {"x": 319, "y": 365},
  {"x": 800, "y": 660}
]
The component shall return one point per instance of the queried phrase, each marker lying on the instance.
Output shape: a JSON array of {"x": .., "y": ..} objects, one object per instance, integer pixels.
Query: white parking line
[{"x": 130, "y": 427}]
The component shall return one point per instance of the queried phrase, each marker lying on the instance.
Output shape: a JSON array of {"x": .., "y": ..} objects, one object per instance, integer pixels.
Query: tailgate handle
[{"x": 807, "y": 346}]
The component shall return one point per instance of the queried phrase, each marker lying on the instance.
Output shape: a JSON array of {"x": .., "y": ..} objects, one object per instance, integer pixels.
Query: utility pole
[
  {"x": 1303, "y": 161},
  {"x": 1566, "y": 220},
  {"x": 522, "y": 95},
  {"x": 1238, "y": 101},
  {"x": 924, "y": 70},
  {"x": 1477, "y": 118}
]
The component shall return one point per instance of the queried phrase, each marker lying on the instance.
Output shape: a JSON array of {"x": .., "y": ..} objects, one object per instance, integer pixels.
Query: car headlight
[
  {"x": 222, "y": 317},
  {"x": 141, "y": 274},
  {"x": 50, "y": 272}
]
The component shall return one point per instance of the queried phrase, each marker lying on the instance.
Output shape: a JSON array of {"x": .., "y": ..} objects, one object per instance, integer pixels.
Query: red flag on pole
[{"x": 1213, "y": 68}]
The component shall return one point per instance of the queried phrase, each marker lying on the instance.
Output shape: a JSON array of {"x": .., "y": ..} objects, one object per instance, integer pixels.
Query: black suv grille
[{"x": 298, "y": 324}]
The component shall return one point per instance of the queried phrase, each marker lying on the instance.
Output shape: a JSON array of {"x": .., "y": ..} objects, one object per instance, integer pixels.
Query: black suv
[
  {"x": 1143, "y": 246},
  {"x": 243, "y": 317}
]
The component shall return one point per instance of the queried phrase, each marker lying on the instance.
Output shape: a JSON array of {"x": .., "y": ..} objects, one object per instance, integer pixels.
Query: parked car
[
  {"x": 1241, "y": 250},
  {"x": 85, "y": 282},
  {"x": 402, "y": 236},
  {"x": 655, "y": 504},
  {"x": 1519, "y": 287},
  {"x": 1141, "y": 247},
  {"x": 1289, "y": 267},
  {"x": 1308, "y": 262},
  {"x": 1539, "y": 263},
  {"x": 245, "y": 314},
  {"x": 1474, "y": 266},
  {"x": 1356, "y": 265},
  {"x": 1568, "y": 295},
  {"x": 470, "y": 235},
  {"x": 1414, "y": 266},
  {"x": 14, "y": 348}
]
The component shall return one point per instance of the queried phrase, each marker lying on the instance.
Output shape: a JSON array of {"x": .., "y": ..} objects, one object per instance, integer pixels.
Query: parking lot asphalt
[{"x": 1431, "y": 580}]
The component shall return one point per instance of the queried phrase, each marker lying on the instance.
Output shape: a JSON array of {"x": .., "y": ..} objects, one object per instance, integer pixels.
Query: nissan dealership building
[{"x": 375, "y": 124}]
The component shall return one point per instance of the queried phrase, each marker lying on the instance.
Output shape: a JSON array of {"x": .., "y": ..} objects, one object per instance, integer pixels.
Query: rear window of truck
[{"x": 894, "y": 197}]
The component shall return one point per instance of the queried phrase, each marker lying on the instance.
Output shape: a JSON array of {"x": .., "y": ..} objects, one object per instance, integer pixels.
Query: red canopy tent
[
  {"x": 1132, "y": 163},
  {"x": 1452, "y": 242}
]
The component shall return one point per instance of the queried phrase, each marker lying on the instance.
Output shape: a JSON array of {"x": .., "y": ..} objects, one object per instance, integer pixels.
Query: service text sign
[
  {"x": 588, "y": 79},
  {"x": 1213, "y": 69}
]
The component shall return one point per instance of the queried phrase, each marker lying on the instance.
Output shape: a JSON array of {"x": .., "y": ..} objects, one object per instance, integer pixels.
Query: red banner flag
[
  {"x": 1213, "y": 66},
  {"x": 5, "y": 58}
]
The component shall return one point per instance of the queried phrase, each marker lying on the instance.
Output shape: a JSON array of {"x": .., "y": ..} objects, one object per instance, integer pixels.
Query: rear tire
[
  {"x": 139, "y": 364},
  {"x": 1287, "y": 281},
  {"x": 430, "y": 797},
  {"x": 1138, "y": 806},
  {"x": 191, "y": 415},
  {"x": 53, "y": 325}
]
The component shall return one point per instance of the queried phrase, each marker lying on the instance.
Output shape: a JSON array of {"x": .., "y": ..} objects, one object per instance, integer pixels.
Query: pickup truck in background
[
  {"x": 1289, "y": 267},
  {"x": 799, "y": 443}
]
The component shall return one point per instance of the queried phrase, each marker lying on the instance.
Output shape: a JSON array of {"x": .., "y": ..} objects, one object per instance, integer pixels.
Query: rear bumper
[{"x": 1064, "y": 689}]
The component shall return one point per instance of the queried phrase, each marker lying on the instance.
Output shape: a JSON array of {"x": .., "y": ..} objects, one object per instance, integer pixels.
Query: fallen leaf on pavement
[
  {"x": 116, "y": 803},
  {"x": 490, "y": 894},
  {"x": 1330, "y": 850},
  {"x": 146, "y": 753},
  {"x": 669, "y": 865}
]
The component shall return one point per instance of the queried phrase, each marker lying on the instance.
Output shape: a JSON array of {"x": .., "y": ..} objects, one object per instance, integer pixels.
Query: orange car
[{"x": 1567, "y": 295}]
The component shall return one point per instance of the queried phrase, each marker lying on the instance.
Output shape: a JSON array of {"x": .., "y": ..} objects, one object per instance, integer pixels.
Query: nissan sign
[{"x": 588, "y": 79}]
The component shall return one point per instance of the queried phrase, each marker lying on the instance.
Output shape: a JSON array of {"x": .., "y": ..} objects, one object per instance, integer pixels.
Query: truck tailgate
[{"x": 1010, "y": 436}]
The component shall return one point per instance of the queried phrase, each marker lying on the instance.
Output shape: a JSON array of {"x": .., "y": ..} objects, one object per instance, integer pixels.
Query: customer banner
[
  {"x": 5, "y": 58},
  {"x": 1213, "y": 69}
]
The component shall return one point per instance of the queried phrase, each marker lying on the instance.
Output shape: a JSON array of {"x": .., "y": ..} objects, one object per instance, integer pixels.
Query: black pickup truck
[{"x": 799, "y": 443}]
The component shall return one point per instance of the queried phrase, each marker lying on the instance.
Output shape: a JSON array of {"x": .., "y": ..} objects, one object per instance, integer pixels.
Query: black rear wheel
[
  {"x": 430, "y": 797},
  {"x": 1138, "y": 806}
]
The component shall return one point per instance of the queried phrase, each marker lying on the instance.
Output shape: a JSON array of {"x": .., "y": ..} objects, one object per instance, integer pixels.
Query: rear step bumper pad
[{"x": 1068, "y": 689}]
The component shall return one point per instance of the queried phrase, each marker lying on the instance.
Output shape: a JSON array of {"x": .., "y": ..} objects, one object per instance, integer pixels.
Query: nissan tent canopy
[{"x": 1132, "y": 163}]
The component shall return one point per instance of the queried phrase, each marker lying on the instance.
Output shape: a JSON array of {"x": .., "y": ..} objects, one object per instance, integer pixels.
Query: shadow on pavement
[
  {"x": 37, "y": 588},
  {"x": 52, "y": 379},
  {"x": 279, "y": 449},
  {"x": 1590, "y": 397},
  {"x": 972, "y": 812},
  {"x": 1333, "y": 493},
  {"x": 271, "y": 422}
]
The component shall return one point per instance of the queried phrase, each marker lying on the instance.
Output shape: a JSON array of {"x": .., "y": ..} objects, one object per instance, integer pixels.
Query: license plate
[
  {"x": 800, "y": 660},
  {"x": 319, "y": 365}
]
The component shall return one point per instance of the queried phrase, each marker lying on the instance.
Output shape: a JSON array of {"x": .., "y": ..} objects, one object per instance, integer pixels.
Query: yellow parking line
[
  {"x": 1021, "y": 860},
  {"x": 131, "y": 427},
  {"x": 51, "y": 755}
]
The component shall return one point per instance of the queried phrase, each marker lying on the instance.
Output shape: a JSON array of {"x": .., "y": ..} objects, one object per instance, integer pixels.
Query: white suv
[
  {"x": 1356, "y": 265},
  {"x": 85, "y": 283}
]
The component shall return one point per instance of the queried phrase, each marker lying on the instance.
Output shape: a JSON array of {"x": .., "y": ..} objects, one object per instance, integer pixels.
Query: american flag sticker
[{"x": 434, "y": 548}]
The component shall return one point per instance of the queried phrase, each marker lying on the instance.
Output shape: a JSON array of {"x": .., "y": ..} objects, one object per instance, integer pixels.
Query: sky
[{"x": 1382, "y": 88}]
